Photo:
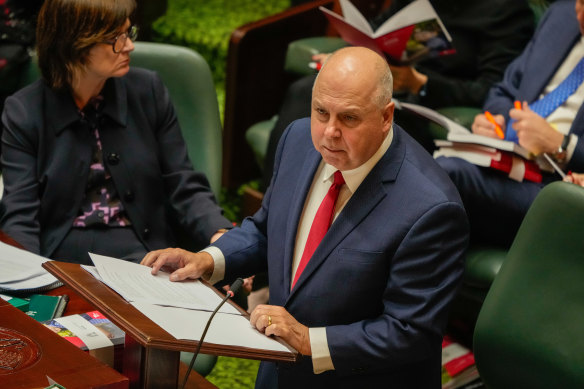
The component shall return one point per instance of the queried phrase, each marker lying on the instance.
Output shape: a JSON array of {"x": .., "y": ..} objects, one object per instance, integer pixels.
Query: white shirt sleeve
[
  {"x": 219, "y": 259},
  {"x": 321, "y": 356}
]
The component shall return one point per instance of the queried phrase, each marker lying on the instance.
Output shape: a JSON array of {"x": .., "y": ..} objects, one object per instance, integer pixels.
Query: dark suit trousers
[{"x": 495, "y": 204}]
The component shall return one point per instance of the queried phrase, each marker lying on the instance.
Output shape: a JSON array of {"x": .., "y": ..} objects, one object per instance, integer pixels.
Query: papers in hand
[
  {"x": 413, "y": 33},
  {"x": 136, "y": 284},
  {"x": 22, "y": 271}
]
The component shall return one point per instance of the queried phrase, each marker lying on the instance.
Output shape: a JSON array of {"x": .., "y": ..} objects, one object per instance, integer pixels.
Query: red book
[{"x": 413, "y": 33}]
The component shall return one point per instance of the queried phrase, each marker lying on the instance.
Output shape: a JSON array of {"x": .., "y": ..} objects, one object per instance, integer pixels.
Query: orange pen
[
  {"x": 498, "y": 130},
  {"x": 518, "y": 105}
]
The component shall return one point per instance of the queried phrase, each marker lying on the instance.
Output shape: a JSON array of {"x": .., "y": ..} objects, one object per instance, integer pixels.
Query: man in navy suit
[
  {"x": 496, "y": 204},
  {"x": 370, "y": 307}
]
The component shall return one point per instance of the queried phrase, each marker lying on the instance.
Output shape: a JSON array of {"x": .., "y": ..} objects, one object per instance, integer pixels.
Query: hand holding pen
[
  {"x": 498, "y": 129},
  {"x": 486, "y": 124},
  {"x": 533, "y": 131}
]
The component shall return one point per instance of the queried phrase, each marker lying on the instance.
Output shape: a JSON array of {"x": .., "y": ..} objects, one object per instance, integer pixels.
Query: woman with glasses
[{"x": 93, "y": 159}]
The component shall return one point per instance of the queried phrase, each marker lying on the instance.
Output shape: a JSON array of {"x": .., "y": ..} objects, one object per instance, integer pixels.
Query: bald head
[
  {"x": 360, "y": 66},
  {"x": 352, "y": 111}
]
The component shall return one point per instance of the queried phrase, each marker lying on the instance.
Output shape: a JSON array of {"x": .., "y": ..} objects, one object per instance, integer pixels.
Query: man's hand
[
  {"x": 534, "y": 132},
  {"x": 481, "y": 126},
  {"x": 407, "y": 79},
  {"x": 575, "y": 178},
  {"x": 275, "y": 320},
  {"x": 184, "y": 263}
]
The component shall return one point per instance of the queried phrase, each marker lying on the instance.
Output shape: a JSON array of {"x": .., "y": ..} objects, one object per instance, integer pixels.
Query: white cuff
[
  {"x": 321, "y": 356},
  {"x": 219, "y": 259}
]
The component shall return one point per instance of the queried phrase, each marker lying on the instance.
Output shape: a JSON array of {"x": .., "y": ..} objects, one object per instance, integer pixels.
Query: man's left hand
[
  {"x": 407, "y": 79},
  {"x": 275, "y": 320}
]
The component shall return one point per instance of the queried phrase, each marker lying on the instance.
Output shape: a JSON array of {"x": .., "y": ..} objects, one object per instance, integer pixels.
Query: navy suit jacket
[
  {"x": 527, "y": 76},
  {"x": 381, "y": 279},
  {"x": 47, "y": 151}
]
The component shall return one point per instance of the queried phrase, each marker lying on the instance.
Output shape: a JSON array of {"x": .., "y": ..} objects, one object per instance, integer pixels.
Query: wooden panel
[{"x": 256, "y": 80}]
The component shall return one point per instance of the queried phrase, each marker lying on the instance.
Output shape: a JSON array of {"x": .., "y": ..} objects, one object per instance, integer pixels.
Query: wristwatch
[{"x": 560, "y": 154}]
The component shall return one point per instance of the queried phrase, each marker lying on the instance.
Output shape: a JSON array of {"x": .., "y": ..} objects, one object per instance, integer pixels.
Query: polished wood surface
[{"x": 54, "y": 357}]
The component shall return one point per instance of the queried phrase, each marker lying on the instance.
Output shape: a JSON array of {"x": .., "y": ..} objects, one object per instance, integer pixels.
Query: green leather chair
[
  {"x": 529, "y": 330},
  {"x": 188, "y": 78}
]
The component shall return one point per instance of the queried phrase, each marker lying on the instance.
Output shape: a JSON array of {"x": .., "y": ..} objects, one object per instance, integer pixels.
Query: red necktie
[{"x": 321, "y": 223}]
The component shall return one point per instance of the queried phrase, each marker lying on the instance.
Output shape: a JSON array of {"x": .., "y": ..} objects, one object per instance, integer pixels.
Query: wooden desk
[
  {"x": 29, "y": 352},
  {"x": 151, "y": 355}
]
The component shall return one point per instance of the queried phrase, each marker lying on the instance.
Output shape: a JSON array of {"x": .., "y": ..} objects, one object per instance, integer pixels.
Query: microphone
[{"x": 233, "y": 289}]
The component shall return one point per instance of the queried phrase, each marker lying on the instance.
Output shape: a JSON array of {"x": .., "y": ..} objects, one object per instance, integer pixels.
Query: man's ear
[{"x": 388, "y": 116}]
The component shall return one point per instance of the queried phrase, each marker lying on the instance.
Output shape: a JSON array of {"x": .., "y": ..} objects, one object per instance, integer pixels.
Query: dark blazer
[
  {"x": 529, "y": 74},
  {"x": 46, "y": 155},
  {"x": 383, "y": 276}
]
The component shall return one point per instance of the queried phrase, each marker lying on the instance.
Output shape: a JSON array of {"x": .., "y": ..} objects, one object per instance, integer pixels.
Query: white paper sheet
[
  {"x": 135, "y": 283},
  {"x": 22, "y": 270},
  {"x": 224, "y": 329}
]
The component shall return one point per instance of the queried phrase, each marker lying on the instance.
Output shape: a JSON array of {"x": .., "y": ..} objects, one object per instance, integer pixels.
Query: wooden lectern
[{"x": 151, "y": 355}]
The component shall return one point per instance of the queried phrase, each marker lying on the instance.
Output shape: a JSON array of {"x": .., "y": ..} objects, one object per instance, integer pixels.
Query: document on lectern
[
  {"x": 225, "y": 329},
  {"x": 180, "y": 308},
  {"x": 136, "y": 284}
]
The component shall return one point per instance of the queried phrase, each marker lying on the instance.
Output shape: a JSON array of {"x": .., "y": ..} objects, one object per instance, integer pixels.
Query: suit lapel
[
  {"x": 362, "y": 202},
  {"x": 542, "y": 66}
]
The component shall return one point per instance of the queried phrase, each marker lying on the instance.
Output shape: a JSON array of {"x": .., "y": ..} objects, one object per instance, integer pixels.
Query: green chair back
[
  {"x": 188, "y": 78},
  {"x": 529, "y": 330}
]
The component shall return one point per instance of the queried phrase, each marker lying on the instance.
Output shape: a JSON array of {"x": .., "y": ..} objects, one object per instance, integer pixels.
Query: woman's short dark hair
[{"x": 68, "y": 29}]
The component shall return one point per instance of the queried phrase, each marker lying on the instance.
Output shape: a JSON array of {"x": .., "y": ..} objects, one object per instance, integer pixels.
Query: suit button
[
  {"x": 146, "y": 233},
  {"x": 113, "y": 158},
  {"x": 129, "y": 196}
]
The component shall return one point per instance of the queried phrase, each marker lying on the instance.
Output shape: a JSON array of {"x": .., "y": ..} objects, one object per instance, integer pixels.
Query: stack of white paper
[{"x": 22, "y": 271}]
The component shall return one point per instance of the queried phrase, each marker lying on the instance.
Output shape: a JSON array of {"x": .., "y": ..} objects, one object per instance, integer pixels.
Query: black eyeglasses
[{"x": 119, "y": 42}]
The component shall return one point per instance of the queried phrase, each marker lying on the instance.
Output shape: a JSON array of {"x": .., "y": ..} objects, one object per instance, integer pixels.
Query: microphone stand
[{"x": 234, "y": 288}]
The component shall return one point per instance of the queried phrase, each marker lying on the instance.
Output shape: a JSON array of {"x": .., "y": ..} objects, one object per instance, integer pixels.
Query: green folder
[
  {"x": 43, "y": 307},
  {"x": 19, "y": 303}
]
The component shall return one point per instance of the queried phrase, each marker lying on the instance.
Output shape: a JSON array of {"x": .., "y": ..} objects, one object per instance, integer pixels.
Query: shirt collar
[
  {"x": 354, "y": 177},
  {"x": 64, "y": 112}
]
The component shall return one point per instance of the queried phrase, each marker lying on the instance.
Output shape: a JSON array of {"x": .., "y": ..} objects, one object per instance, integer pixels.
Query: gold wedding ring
[{"x": 269, "y": 320}]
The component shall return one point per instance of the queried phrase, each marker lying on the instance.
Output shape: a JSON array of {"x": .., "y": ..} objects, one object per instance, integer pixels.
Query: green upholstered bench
[{"x": 529, "y": 330}]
